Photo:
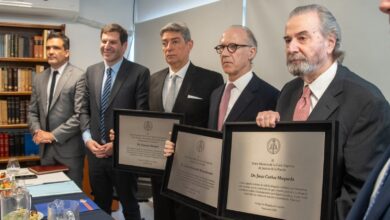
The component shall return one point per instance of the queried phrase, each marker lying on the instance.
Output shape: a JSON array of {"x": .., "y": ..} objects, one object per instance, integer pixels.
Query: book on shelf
[
  {"x": 44, "y": 169},
  {"x": 30, "y": 148}
]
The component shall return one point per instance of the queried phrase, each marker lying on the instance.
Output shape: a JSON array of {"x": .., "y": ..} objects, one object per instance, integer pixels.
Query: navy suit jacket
[
  {"x": 257, "y": 96},
  {"x": 194, "y": 95},
  {"x": 381, "y": 209},
  {"x": 364, "y": 127}
]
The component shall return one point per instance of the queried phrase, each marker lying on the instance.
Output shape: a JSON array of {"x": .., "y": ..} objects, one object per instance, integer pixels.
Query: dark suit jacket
[
  {"x": 257, "y": 96},
  {"x": 63, "y": 113},
  {"x": 364, "y": 118},
  {"x": 198, "y": 82},
  {"x": 130, "y": 91},
  {"x": 381, "y": 209}
]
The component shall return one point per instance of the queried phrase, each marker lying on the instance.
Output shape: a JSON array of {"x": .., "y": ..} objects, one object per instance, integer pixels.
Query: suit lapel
[
  {"x": 214, "y": 107},
  {"x": 328, "y": 103},
  {"x": 159, "y": 89},
  {"x": 61, "y": 82},
  {"x": 243, "y": 100},
  {"x": 123, "y": 73},
  {"x": 185, "y": 86},
  {"x": 98, "y": 80},
  {"x": 46, "y": 76}
]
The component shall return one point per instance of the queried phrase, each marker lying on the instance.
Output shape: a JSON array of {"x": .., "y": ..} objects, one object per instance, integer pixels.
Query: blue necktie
[
  {"x": 378, "y": 191},
  {"x": 104, "y": 105}
]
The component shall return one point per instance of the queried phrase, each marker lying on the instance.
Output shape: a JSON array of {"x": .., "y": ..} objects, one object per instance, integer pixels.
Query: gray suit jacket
[
  {"x": 364, "y": 127},
  {"x": 130, "y": 91},
  {"x": 63, "y": 113}
]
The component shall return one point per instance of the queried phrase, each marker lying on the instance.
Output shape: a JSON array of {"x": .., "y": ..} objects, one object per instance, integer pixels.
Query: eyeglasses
[{"x": 230, "y": 47}]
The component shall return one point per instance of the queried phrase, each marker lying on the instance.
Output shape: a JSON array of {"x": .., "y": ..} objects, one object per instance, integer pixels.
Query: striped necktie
[{"x": 104, "y": 105}]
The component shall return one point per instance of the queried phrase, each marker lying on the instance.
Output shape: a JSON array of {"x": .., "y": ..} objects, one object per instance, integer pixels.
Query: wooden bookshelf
[{"x": 22, "y": 54}]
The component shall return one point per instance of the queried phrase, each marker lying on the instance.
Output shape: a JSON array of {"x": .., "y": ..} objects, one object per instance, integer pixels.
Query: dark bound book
[{"x": 48, "y": 169}]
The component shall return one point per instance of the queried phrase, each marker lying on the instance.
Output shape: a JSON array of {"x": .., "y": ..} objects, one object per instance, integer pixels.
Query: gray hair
[
  {"x": 249, "y": 33},
  {"x": 329, "y": 26},
  {"x": 177, "y": 27}
]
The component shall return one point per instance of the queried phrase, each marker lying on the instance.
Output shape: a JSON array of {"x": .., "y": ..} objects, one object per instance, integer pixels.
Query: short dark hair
[
  {"x": 113, "y": 27},
  {"x": 177, "y": 27},
  {"x": 62, "y": 36}
]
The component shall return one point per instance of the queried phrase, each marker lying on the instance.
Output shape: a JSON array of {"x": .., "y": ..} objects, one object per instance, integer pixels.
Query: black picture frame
[
  {"x": 330, "y": 129},
  {"x": 203, "y": 207},
  {"x": 136, "y": 114}
]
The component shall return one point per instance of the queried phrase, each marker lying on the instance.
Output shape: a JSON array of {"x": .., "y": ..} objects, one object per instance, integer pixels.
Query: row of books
[
  {"x": 13, "y": 110},
  {"x": 20, "y": 45},
  {"x": 17, "y": 144},
  {"x": 16, "y": 79}
]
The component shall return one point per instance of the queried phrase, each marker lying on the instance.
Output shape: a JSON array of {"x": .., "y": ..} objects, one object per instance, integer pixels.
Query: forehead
[
  {"x": 234, "y": 35},
  {"x": 110, "y": 35},
  {"x": 55, "y": 41},
  {"x": 168, "y": 35},
  {"x": 308, "y": 22}
]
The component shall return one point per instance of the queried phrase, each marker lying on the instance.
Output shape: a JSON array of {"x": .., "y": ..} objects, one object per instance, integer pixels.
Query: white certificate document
[
  {"x": 277, "y": 174},
  {"x": 196, "y": 165}
]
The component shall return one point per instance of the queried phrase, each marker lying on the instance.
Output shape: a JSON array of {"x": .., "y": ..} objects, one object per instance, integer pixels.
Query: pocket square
[{"x": 194, "y": 97}]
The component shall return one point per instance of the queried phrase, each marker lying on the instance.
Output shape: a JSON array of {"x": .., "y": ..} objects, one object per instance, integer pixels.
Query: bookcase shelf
[
  {"x": 13, "y": 126},
  {"x": 22, "y": 55},
  {"x": 21, "y": 158}
]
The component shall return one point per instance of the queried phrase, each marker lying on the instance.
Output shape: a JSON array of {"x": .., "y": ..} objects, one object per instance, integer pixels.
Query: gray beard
[{"x": 300, "y": 69}]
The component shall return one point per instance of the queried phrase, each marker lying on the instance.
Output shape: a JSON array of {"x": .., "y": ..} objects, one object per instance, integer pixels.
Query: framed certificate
[
  {"x": 140, "y": 139},
  {"x": 285, "y": 172},
  {"x": 193, "y": 172}
]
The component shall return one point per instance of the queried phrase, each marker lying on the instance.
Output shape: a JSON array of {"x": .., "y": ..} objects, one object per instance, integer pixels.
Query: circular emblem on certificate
[
  {"x": 199, "y": 146},
  {"x": 273, "y": 146},
  {"x": 148, "y": 126}
]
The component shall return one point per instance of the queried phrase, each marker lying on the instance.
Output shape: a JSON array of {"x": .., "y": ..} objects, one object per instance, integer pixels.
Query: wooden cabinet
[{"x": 22, "y": 55}]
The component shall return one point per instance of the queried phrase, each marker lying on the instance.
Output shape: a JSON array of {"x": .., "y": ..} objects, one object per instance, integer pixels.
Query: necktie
[
  {"x": 386, "y": 170},
  {"x": 224, "y": 105},
  {"x": 170, "y": 99},
  {"x": 51, "y": 92},
  {"x": 104, "y": 104},
  {"x": 302, "y": 109}
]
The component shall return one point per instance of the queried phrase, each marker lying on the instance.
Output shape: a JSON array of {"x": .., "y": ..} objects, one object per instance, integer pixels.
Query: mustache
[{"x": 295, "y": 56}]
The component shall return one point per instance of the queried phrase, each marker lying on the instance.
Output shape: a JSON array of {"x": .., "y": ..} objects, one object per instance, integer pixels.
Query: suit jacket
[
  {"x": 381, "y": 209},
  {"x": 194, "y": 95},
  {"x": 63, "y": 113},
  {"x": 364, "y": 127},
  {"x": 129, "y": 91},
  {"x": 257, "y": 96}
]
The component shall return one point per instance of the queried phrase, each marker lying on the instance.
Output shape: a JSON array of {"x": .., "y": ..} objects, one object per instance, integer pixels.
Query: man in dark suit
[
  {"x": 373, "y": 201},
  {"x": 114, "y": 83},
  {"x": 53, "y": 114},
  {"x": 193, "y": 86},
  {"x": 250, "y": 94},
  {"x": 331, "y": 91}
]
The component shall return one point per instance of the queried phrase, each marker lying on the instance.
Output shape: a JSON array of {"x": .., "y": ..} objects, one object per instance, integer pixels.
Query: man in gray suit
[
  {"x": 114, "y": 83},
  {"x": 327, "y": 90},
  {"x": 53, "y": 114}
]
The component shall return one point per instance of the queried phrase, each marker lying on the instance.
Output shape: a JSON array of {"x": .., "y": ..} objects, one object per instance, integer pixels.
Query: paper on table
[
  {"x": 53, "y": 189},
  {"x": 47, "y": 178}
]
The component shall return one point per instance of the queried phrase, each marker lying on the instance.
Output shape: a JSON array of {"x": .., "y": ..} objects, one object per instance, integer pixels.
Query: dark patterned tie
[
  {"x": 104, "y": 105},
  {"x": 51, "y": 93}
]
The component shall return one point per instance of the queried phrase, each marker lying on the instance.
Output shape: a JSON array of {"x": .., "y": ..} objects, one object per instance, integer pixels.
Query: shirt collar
[
  {"x": 61, "y": 69},
  {"x": 181, "y": 73},
  {"x": 243, "y": 81},
  {"x": 318, "y": 86},
  {"x": 115, "y": 67}
]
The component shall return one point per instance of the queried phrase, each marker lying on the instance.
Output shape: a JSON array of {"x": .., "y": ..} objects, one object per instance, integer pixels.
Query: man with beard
[
  {"x": 373, "y": 201},
  {"x": 327, "y": 90}
]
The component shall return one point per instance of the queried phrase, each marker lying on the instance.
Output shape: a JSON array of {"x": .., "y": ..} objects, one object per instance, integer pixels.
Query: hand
[
  {"x": 96, "y": 148},
  {"x": 43, "y": 137},
  {"x": 108, "y": 149},
  {"x": 169, "y": 148},
  {"x": 267, "y": 119},
  {"x": 112, "y": 135}
]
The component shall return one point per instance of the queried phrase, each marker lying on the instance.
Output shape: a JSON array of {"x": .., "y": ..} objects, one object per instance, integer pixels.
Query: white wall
[{"x": 84, "y": 39}]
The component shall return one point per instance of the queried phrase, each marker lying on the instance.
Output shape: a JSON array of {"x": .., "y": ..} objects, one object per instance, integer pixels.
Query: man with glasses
[
  {"x": 326, "y": 90},
  {"x": 244, "y": 94}
]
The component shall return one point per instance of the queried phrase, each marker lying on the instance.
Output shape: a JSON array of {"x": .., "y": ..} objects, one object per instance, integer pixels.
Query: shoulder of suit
[
  {"x": 75, "y": 69},
  {"x": 264, "y": 84},
  {"x": 201, "y": 70},
  {"x": 134, "y": 65}
]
